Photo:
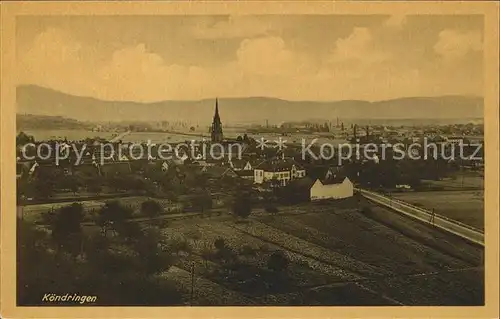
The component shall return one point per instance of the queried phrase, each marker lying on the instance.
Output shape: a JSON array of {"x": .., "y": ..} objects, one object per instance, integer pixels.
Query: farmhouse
[
  {"x": 280, "y": 170},
  {"x": 336, "y": 187}
]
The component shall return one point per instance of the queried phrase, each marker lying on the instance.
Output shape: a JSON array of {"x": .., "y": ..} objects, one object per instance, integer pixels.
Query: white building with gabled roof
[
  {"x": 280, "y": 170},
  {"x": 337, "y": 187}
]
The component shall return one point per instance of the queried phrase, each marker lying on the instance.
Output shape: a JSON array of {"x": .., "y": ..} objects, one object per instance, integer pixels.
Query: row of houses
[{"x": 319, "y": 182}]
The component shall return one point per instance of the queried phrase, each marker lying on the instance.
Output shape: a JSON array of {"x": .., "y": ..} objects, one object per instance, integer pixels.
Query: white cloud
[
  {"x": 358, "y": 68},
  {"x": 55, "y": 58},
  {"x": 234, "y": 27},
  {"x": 358, "y": 46},
  {"x": 266, "y": 56},
  {"x": 395, "y": 21},
  {"x": 453, "y": 44}
]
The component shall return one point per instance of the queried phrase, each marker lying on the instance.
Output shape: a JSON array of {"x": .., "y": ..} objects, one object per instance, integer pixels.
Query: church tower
[{"x": 216, "y": 131}]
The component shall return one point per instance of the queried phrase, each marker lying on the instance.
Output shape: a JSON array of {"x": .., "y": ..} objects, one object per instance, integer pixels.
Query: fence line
[
  {"x": 452, "y": 226},
  {"x": 428, "y": 211}
]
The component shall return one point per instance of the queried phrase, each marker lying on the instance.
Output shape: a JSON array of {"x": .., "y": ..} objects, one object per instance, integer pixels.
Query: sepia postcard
[{"x": 249, "y": 159}]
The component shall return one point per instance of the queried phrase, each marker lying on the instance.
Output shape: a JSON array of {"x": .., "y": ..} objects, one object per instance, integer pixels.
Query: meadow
[
  {"x": 466, "y": 206},
  {"x": 460, "y": 181}
]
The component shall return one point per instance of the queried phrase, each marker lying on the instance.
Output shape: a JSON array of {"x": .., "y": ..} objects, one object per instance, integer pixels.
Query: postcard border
[{"x": 10, "y": 10}]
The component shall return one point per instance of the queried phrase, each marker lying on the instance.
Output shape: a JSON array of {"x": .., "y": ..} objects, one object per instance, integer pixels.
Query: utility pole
[{"x": 192, "y": 284}]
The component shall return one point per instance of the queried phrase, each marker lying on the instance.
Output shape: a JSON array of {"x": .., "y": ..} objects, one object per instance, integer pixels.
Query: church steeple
[
  {"x": 216, "y": 116},
  {"x": 216, "y": 131}
]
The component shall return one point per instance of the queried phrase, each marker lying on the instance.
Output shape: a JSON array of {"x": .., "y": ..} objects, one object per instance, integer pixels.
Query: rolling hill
[{"x": 43, "y": 101}]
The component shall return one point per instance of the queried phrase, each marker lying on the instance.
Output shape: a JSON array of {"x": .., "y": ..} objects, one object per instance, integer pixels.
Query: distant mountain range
[
  {"x": 45, "y": 122},
  {"x": 43, "y": 101}
]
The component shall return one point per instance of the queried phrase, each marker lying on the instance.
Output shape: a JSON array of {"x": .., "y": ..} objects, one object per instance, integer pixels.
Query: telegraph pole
[{"x": 192, "y": 284}]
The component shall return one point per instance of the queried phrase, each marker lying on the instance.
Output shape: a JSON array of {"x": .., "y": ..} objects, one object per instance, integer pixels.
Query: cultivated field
[
  {"x": 71, "y": 135},
  {"x": 461, "y": 181},
  {"x": 134, "y": 137},
  {"x": 464, "y": 206},
  {"x": 338, "y": 256},
  {"x": 160, "y": 138}
]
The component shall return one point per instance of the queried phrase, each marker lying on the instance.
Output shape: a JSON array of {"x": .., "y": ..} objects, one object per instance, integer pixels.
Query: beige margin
[{"x": 9, "y": 10}]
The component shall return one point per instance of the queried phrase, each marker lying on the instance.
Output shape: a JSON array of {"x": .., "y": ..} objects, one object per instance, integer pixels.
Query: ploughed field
[
  {"x": 464, "y": 206},
  {"x": 338, "y": 256}
]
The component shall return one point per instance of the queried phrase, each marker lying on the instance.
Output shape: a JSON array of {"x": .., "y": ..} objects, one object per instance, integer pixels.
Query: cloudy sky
[{"x": 328, "y": 57}]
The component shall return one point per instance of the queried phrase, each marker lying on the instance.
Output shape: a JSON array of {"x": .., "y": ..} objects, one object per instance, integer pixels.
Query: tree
[
  {"x": 202, "y": 200},
  {"x": 23, "y": 139},
  {"x": 179, "y": 245},
  {"x": 42, "y": 188},
  {"x": 130, "y": 231},
  {"x": 67, "y": 229},
  {"x": 137, "y": 185},
  {"x": 71, "y": 183},
  {"x": 151, "y": 209},
  {"x": 155, "y": 259},
  {"x": 219, "y": 243},
  {"x": 224, "y": 252},
  {"x": 113, "y": 215},
  {"x": 242, "y": 206},
  {"x": 247, "y": 250},
  {"x": 94, "y": 184},
  {"x": 120, "y": 273},
  {"x": 277, "y": 262}
]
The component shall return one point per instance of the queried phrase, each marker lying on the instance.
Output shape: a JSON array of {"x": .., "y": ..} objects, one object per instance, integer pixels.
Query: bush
[
  {"x": 247, "y": 250},
  {"x": 227, "y": 255},
  {"x": 242, "y": 206},
  {"x": 207, "y": 252},
  {"x": 303, "y": 263},
  {"x": 219, "y": 243},
  {"x": 151, "y": 208},
  {"x": 272, "y": 209},
  {"x": 179, "y": 245},
  {"x": 264, "y": 248},
  {"x": 278, "y": 262}
]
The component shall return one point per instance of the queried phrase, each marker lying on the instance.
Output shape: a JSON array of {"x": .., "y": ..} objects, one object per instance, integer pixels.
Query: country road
[{"x": 452, "y": 226}]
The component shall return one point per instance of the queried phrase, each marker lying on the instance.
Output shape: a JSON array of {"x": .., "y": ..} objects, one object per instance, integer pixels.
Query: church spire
[
  {"x": 216, "y": 132},
  {"x": 216, "y": 115}
]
